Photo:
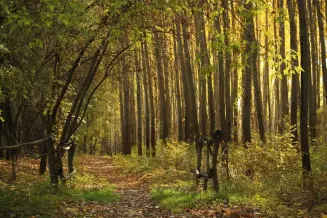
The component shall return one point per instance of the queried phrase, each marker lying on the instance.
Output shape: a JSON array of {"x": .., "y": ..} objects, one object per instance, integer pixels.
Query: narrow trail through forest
[{"x": 134, "y": 192}]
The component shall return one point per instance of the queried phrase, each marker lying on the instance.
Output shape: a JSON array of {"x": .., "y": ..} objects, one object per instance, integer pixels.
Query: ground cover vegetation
[{"x": 143, "y": 108}]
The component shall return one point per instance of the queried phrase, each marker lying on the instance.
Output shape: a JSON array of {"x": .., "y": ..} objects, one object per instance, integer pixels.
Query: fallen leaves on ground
[{"x": 133, "y": 189}]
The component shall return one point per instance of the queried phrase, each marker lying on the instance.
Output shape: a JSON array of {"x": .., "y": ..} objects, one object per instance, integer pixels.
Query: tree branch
[{"x": 24, "y": 144}]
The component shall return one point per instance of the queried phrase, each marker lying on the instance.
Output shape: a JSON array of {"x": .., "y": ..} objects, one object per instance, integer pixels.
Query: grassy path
[
  {"x": 90, "y": 194},
  {"x": 133, "y": 189}
]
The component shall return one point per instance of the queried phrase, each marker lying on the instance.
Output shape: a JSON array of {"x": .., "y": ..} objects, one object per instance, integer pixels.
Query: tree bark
[
  {"x": 152, "y": 108},
  {"x": 295, "y": 63},
  {"x": 177, "y": 92},
  {"x": 313, "y": 84},
  {"x": 323, "y": 46},
  {"x": 247, "y": 95},
  {"x": 266, "y": 92},
  {"x": 283, "y": 85},
  {"x": 305, "y": 59},
  {"x": 161, "y": 85},
  {"x": 146, "y": 101},
  {"x": 139, "y": 102},
  {"x": 180, "y": 52},
  {"x": 203, "y": 66}
]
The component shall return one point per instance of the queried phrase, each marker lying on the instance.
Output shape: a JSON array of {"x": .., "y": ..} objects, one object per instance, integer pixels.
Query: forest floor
[{"x": 133, "y": 190}]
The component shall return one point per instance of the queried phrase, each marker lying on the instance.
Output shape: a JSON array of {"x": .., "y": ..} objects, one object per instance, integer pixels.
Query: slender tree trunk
[
  {"x": 235, "y": 84},
  {"x": 152, "y": 108},
  {"x": 266, "y": 91},
  {"x": 312, "y": 88},
  {"x": 203, "y": 67},
  {"x": 177, "y": 92},
  {"x": 161, "y": 85},
  {"x": 247, "y": 95},
  {"x": 257, "y": 91},
  {"x": 228, "y": 62},
  {"x": 146, "y": 101},
  {"x": 283, "y": 86},
  {"x": 189, "y": 73},
  {"x": 121, "y": 104},
  {"x": 186, "y": 93},
  {"x": 305, "y": 59},
  {"x": 295, "y": 63},
  {"x": 139, "y": 102},
  {"x": 323, "y": 46},
  {"x": 222, "y": 105},
  {"x": 127, "y": 137},
  {"x": 166, "y": 74},
  {"x": 276, "y": 81},
  {"x": 132, "y": 106}
]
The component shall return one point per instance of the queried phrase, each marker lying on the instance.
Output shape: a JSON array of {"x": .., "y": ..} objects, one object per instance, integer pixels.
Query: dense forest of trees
[{"x": 107, "y": 76}]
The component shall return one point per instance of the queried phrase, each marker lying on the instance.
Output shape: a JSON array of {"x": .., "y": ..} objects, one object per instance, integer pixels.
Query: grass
[
  {"x": 181, "y": 195},
  {"x": 32, "y": 195},
  {"x": 103, "y": 195},
  {"x": 176, "y": 200}
]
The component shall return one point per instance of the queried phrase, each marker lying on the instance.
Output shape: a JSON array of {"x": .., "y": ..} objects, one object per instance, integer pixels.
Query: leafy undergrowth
[
  {"x": 32, "y": 195},
  {"x": 275, "y": 189}
]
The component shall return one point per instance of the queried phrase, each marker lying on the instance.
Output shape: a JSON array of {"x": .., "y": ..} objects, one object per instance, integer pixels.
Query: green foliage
[
  {"x": 40, "y": 198},
  {"x": 172, "y": 157},
  {"x": 105, "y": 194},
  {"x": 275, "y": 186},
  {"x": 177, "y": 200}
]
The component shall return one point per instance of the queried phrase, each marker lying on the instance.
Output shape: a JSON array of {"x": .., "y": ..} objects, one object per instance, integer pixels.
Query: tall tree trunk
[
  {"x": 283, "y": 86},
  {"x": 132, "y": 106},
  {"x": 228, "y": 61},
  {"x": 222, "y": 106},
  {"x": 121, "y": 104},
  {"x": 139, "y": 102},
  {"x": 305, "y": 59},
  {"x": 257, "y": 90},
  {"x": 127, "y": 137},
  {"x": 247, "y": 94},
  {"x": 266, "y": 92},
  {"x": 166, "y": 74},
  {"x": 323, "y": 47},
  {"x": 295, "y": 63},
  {"x": 152, "y": 108},
  {"x": 203, "y": 66},
  {"x": 184, "y": 81},
  {"x": 314, "y": 61},
  {"x": 146, "y": 101},
  {"x": 177, "y": 92},
  {"x": 277, "y": 118},
  {"x": 189, "y": 73},
  {"x": 161, "y": 85},
  {"x": 235, "y": 83}
]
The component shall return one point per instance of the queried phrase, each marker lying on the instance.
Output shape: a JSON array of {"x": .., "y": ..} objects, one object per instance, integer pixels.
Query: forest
[{"x": 163, "y": 108}]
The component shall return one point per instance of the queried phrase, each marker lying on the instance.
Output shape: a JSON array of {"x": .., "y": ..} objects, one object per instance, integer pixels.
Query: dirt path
[
  {"x": 135, "y": 200},
  {"x": 133, "y": 191}
]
